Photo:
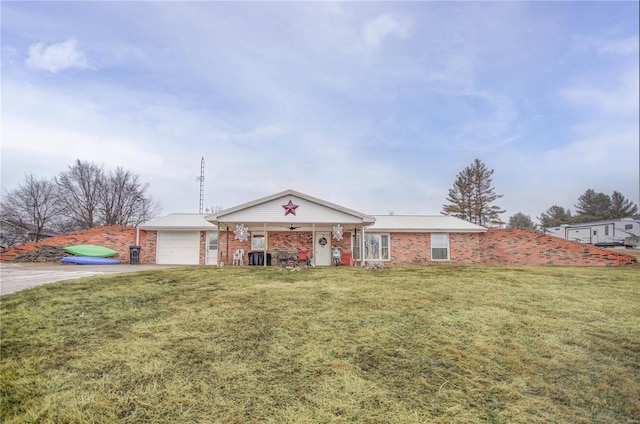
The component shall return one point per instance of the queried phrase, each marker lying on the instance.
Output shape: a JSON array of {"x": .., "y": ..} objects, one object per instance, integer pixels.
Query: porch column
[
  {"x": 313, "y": 242},
  {"x": 362, "y": 252},
  {"x": 266, "y": 243}
]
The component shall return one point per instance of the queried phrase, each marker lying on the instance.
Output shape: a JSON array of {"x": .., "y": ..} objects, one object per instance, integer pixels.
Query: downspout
[{"x": 137, "y": 236}]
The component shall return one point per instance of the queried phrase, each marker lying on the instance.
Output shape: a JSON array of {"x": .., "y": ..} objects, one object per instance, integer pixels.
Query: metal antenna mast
[{"x": 201, "y": 179}]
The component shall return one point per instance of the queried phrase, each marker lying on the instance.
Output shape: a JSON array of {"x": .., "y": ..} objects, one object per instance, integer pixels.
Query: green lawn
[{"x": 438, "y": 344}]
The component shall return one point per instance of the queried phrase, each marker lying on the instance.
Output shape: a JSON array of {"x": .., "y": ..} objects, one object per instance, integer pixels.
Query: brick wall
[
  {"x": 525, "y": 247},
  {"x": 291, "y": 241},
  {"x": 118, "y": 238},
  {"x": 495, "y": 247},
  {"x": 415, "y": 248}
]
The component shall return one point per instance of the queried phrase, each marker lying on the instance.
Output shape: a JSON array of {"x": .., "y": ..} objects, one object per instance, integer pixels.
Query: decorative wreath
[{"x": 322, "y": 242}]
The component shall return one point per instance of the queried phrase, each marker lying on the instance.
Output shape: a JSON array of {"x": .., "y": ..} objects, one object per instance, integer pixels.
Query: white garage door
[{"x": 178, "y": 247}]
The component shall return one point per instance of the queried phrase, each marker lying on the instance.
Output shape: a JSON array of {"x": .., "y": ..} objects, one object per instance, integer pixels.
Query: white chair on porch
[{"x": 238, "y": 257}]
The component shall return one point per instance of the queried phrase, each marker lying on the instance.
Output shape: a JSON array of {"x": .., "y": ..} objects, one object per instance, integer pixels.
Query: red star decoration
[{"x": 289, "y": 208}]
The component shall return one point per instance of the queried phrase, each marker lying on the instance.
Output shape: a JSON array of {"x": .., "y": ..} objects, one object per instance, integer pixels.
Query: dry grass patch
[{"x": 398, "y": 345}]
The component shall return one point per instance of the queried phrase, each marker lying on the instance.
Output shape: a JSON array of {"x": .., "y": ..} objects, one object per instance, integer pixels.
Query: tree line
[
  {"x": 84, "y": 196},
  {"x": 472, "y": 196},
  {"x": 591, "y": 207}
]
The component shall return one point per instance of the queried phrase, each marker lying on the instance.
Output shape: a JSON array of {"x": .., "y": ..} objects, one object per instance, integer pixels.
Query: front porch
[
  {"x": 314, "y": 247},
  {"x": 294, "y": 223}
]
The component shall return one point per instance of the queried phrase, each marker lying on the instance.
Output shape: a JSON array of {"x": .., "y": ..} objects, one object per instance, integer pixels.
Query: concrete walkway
[{"x": 19, "y": 276}]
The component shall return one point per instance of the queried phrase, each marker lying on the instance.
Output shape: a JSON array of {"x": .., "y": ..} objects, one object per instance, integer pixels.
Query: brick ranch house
[{"x": 274, "y": 230}]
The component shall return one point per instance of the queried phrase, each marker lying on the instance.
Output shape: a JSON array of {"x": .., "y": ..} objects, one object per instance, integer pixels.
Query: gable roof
[
  {"x": 424, "y": 223},
  {"x": 268, "y": 209},
  {"x": 179, "y": 221}
]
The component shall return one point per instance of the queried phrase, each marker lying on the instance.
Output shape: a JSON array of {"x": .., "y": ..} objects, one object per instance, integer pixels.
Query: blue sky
[{"x": 372, "y": 105}]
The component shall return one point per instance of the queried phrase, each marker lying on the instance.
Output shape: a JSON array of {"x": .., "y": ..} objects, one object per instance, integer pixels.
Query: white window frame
[
  {"x": 255, "y": 237},
  {"x": 383, "y": 252},
  {"x": 213, "y": 241},
  {"x": 440, "y": 245}
]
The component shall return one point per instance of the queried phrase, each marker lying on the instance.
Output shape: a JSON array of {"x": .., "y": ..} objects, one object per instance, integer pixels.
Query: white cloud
[
  {"x": 620, "y": 97},
  {"x": 384, "y": 26},
  {"x": 56, "y": 57},
  {"x": 623, "y": 47}
]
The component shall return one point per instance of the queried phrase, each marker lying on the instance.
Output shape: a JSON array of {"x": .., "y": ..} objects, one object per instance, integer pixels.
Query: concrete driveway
[{"x": 19, "y": 276}]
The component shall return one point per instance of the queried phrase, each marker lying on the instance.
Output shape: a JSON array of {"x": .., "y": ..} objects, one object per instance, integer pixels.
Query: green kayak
[{"x": 90, "y": 250}]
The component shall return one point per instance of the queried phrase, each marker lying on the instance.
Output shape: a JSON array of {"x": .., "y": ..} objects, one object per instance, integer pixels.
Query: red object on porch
[
  {"x": 302, "y": 258},
  {"x": 346, "y": 259}
]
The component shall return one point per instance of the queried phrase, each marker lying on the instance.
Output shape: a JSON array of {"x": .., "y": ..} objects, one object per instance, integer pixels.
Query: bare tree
[
  {"x": 79, "y": 193},
  {"x": 33, "y": 206},
  {"x": 123, "y": 200}
]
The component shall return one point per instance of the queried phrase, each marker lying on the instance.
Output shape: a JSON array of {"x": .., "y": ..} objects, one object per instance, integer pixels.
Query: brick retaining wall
[
  {"x": 526, "y": 247},
  {"x": 118, "y": 238}
]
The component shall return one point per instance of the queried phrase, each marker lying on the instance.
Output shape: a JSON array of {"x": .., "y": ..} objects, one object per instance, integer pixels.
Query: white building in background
[{"x": 623, "y": 232}]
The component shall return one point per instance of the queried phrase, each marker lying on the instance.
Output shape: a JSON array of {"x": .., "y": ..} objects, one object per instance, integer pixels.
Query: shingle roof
[
  {"x": 179, "y": 221},
  {"x": 423, "y": 223}
]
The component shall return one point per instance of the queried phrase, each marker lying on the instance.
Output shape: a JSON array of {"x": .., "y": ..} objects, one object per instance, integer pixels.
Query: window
[
  {"x": 606, "y": 230},
  {"x": 376, "y": 247},
  {"x": 257, "y": 242},
  {"x": 213, "y": 242},
  {"x": 439, "y": 247},
  {"x": 628, "y": 226}
]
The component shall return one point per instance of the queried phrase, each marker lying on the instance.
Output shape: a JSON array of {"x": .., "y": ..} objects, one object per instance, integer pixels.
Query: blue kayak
[{"x": 89, "y": 260}]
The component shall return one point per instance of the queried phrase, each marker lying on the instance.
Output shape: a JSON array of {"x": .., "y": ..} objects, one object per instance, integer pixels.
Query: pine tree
[
  {"x": 472, "y": 196},
  {"x": 592, "y": 206},
  {"x": 520, "y": 220},
  {"x": 621, "y": 207},
  {"x": 554, "y": 217}
]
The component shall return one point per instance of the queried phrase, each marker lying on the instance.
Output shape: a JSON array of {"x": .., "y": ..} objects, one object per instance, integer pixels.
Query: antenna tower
[{"x": 201, "y": 179}]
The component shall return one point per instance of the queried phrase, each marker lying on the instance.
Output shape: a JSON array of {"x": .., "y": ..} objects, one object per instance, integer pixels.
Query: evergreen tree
[
  {"x": 520, "y": 220},
  {"x": 592, "y": 206},
  {"x": 621, "y": 207},
  {"x": 554, "y": 217},
  {"x": 472, "y": 196}
]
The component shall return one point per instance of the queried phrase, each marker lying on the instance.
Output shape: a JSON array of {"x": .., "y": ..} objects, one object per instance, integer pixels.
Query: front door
[
  {"x": 322, "y": 250},
  {"x": 212, "y": 248}
]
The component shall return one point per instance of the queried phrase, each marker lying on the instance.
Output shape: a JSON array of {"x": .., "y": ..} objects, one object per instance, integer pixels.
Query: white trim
[
  {"x": 448, "y": 247},
  {"x": 380, "y": 257}
]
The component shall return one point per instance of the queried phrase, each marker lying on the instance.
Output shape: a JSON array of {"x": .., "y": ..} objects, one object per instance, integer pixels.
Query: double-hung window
[
  {"x": 439, "y": 247},
  {"x": 376, "y": 247}
]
